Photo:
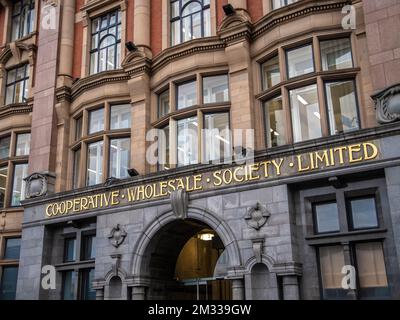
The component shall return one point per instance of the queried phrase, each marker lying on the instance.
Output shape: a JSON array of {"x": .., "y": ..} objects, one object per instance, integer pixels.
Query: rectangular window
[
  {"x": 12, "y": 248},
  {"x": 163, "y": 149},
  {"x": 23, "y": 144},
  {"x": 271, "y": 73},
  {"x": 120, "y": 154},
  {"x": 300, "y": 61},
  {"x": 23, "y": 18},
  {"x": 78, "y": 128},
  {"x": 215, "y": 89},
  {"x": 96, "y": 120},
  {"x": 5, "y": 147},
  {"x": 306, "y": 118},
  {"x": 120, "y": 117},
  {"x": 187, "y": 95},
  {"x": 363, "y": 213},
  {"x": 163, "y": 104},
  {"x": 326, "y": 217},
  {"x": 88, "y": 247},
  {"x": 69, "y": 285},
  {"x": 188, "y": 141},
  {"x": 336, "y": 54},
  {"x": 8, "y": 283},
  {"x": 18, "y": 191},
  {"x": 17, "y": 84},
  {"x": 3, "y": 185},
  {"x": 276, "y": 4},
  {"x": 86, "y": 280},
  {"x": 69, "y": 250},
  {"x": 217, "y": 140},
  {"x": 275, "y": 122},
  {"x": 95, "y": 163},
  {"x": 77, "y": 167},
  {"x": 342, "y": 107}
]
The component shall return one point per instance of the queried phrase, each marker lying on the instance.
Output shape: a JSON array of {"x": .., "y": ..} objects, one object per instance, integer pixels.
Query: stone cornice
[
  {"x": 63, "y": 94},
  {"x": 17, "y": 108}
]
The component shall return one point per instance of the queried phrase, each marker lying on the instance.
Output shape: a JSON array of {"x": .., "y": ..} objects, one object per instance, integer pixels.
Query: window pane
[
  {"x": 77, "y": 165},
  {"x": 23, "y": 144},
  {"x": 8, "y": 284},
  {"x": 95, "y": 163},
  {"x": 275, "y": 122},
  {"x": 187, "y": 141},
  {"x": 5, "y": 147},
  {"x": 174, "y": 9},
  {"x": 163, "y": 104},
  {"x": 78, "y": 128},
  {"x": 196, "y": 21},
  {"x": 3, "y": 185},
  {"x": 363, "y": 213},
  {"x": 336, "y": 54},
  {"x": 300, "y": 61},
  {"x": 187, "y": 95},
  {"x": 163, "y": 149},
  {"x": 18, "y": 193},
  {"x": 207, "y": 23},
  {"x": 215, "y": 89},
  {"x": 87, "y": 292},
  {"x": 121, "y": 117},
  {"x": 217, "y": 140},
  {"x": 326, "y": 217},
  {"x": 69, "y": 250},
  {"x": 96, "y": 121},
  {"x": 306, "y": 118},
  {"x": 69, "y": 285},
  {"x": 187, "y": 28},
  {"x": 175, "y": 32},
  {"x": 12, "y": 248},
  {"x": 342, "y": 107},
  {"x": 271, "y": 73},
  {"x": 89, "y": 247},
  {"x": 331, "y": 261},
  {"x": 120, "y": 157}
]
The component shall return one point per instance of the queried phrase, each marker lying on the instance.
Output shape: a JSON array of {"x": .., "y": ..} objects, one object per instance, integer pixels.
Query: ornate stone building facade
[{"x": 312, "y": 193}]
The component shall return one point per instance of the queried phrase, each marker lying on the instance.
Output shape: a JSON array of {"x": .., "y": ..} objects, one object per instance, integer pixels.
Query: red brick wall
[
  {"x": 220, "y": 12},
  {"x": 2, "y": 17},
  {"x": 255, "y": 9},
  {"x": 129, "y": 21},
  {"x": 156, "y": 26}
]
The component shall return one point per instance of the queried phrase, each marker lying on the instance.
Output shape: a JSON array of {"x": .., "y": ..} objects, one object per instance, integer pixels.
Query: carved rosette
[
  {"x": 179, "y": 202},
  {"x": 117, "y": 236},
  {"x": 387, "y": 103},
  {"x": 257, "y": 216}
]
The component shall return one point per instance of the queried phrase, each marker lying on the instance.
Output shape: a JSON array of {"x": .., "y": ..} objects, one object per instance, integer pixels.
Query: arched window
[
  {"x": 106, "y": 42},
  {"x": 190, "y": 20},
  {"x": 23, "y": 16}
]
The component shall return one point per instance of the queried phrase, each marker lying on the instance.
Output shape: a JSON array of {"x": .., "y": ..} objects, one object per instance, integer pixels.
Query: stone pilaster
[
  {"x": 290, "y": 287},
  {"x": 139, "y": 293},
  {"x": 237, "y": 289}
]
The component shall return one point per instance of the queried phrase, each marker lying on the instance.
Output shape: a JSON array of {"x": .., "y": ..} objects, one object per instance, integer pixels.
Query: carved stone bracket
[
  {"x": 117, "y": 236},
  {"x": 39, "y": 184},
  {"x": 179, "y": 202},
  {"x": 387, "y": 103},
  {"x": 257, "y": 216},
  {"x": 258, "y": 249},
  {"x": 116, "y": 264}
]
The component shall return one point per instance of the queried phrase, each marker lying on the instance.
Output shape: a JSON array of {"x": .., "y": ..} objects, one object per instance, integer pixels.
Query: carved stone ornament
[
  {"x": 110, "y": 181},
  {"x": 257, "y": 216},
  {"x": 53, "y": 3},
  {"x": 387, "y": 103},
  {"x": 117, "y": 236},
  {"x": 36, "y": 185},
  {"x": 179, "y": 202}
]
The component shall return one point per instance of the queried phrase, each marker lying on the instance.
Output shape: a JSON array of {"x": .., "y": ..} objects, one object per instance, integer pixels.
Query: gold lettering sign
[{"x": 269, "y": 169}]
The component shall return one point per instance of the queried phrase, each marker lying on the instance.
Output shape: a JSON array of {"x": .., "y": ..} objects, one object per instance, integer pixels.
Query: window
[
  {"x": 188, "y": 141},
  {"x": 95, "y": 163},
  {"x": 23, "y": 18},
  {"x": 120, "y": 152},
  {"x": 87, "y": 277},
  {"x": 106, "y": 42},
  {"x": 326, "y": 217},
  {"x": 88, "y": 247},
  {"x": 363, "y": 213},
  {"x": 306, "y": 117},
  {"x": 69, "y": 250},
  {"x": 217, "y": 140},
  {"x": 96, "y": 120},
  {"x": 215, "y": 89},
  {"x": 300, "y": 61},
  {"x": 5, "y": 147},
  {"x": 12, "y": 248},
  {"x": 23, "y": 144},
  {"x": 17, "y": 84},
  {"x": 69, "y": 285},
  {"x": 18, "y": 191},
  {"x": 120, "y": 116},
  {"x": 271, "y": 73},
  {"x": 187, "y": 96},
  {"x": 336, "y": 54},
  {"x": 342, "y": 106},
  {"x": 163, "y": 104},
  {"x": 3, "y": 185},
  {"x": 77, "y": 168},
  {"x": 189, "y": 20},
  {"x": 78, "y": 128},
  {"x": 8, "y": 284},
  {"x": 276, "y": 4},
  {"x": 163, "y": 149},
  {"x": 275, "y": 122}
]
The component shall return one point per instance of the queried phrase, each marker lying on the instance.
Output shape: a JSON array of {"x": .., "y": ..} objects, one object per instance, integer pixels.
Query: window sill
[{"x": 369, "y": 234}]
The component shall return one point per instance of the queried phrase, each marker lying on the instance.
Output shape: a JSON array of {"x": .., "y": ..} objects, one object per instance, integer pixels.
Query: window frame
[
  {"x": 31, "y": 20},
  {"x": 333, "y": 39},
  {"x": 25, "y": 82},
  {"x": 349, "y": 212},
  {"x": 300, "y": 46},
  {"x": 315, "y": 220}
]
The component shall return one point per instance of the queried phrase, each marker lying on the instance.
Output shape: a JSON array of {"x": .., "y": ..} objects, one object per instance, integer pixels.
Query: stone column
[
  {"x": 67, "y": 38},
  {"x": 237, "y": 289},
  {"x": 290, "y": 288},
  {"x": 141, "y": 23},
  {"x": 239, "y": 4},
  {"x": 100, "y": 294},
  {"x": 139, "y": 293}
]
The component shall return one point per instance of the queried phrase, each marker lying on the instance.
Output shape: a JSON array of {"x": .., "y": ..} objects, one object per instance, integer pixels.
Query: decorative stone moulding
[
  {"x": 257, "y": 216},
  {"x": 387, "y": 104},
  {"x": 179, "y": 202},
  {"x": 39, "y": 185},
  {"x": 117, "y": 236}
]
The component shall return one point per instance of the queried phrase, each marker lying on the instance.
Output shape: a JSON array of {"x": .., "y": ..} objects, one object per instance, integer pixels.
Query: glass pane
[
  {"x": 19, "y": 92},
  {"x": 78, "y": 128},
  {"x": 187, "y": 28},
  {"x": 187, "y": 95},
  {"x": 342, "y": 107},
  {"x": 3, "y": 185},
  {"x": 20, "y": 73},
  {"x": 163, "y": 149},
  {"x": 12, "y": 248},
  {"x": 69, "y": 250},
  {"x": 275, "y": 122},
  {"x": 196, "y": 21},
  {"x": 363, "y": 213},
  {"x": 5, "y": 147},
  {"x": 93, "y": 62},
  {"x": 120, "y": 153},
  {"x": 111, "y": 58},
  {"x": 77, "y": 162},
  {"x": 10, "y": 95},
  {"x": 331, "y": 261},
  {"x": 187, "y": 141},
  {"x": 217, "y": 139},
  {"x": 191, "y": 8},
  {"x": 326, "y": 217},
  {"x": 174, "y": 9},
  {"x": 18, "y": 192},
  {"x": 11, "y": 74},
  {"x": 271, "y": 73},
  {"x": 15, "y": 28},
  {"x": 207, "y": 23},
  {"x": 96, "y": 120},
  {"x": 23, "y": 144},
  {"x": 175, "y": 32},
  {"x": 163, "y": 104},
  {"x": 102, "y": 60},
  {"x": 8, "y": 284},
  {"x": 300, "y": 61},
  {"x": 88, "y": 293},
  {"x": 95, "y": 25},
  {"x": 89, "y": 247},
  {"x": 95, "y": 163},
  {"x": 215, "y": 89},
  {"x": 120, "y": 116},
  {"x": 336, "y": 54},
  {"x": 118, "y": 57},
  {"x": 306, "y": 118},
  {"x": 69, "y": 285}
]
